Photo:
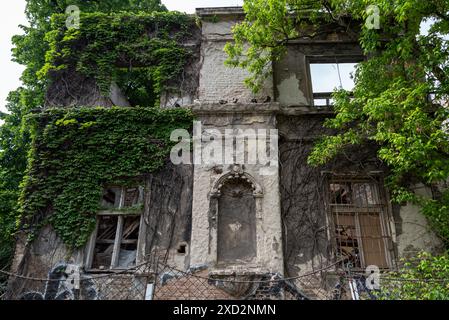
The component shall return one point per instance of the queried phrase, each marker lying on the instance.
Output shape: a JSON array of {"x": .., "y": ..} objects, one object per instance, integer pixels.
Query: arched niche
[{"x": 235, "y": 209}]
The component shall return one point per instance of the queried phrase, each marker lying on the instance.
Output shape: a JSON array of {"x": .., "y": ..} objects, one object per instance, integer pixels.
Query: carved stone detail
[{"x": 237, "y": 172}]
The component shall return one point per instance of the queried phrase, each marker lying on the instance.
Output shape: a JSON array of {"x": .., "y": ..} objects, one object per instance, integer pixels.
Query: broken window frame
[
  {"x": 382, "y": 210},
  {"x": 121, "y": 214},
  {"x": 326, "y": 59}
]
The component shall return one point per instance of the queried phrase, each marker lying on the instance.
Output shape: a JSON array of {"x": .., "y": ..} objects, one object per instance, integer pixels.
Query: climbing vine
[
  {"x": 141, "y": 52},
  {"x": 75, "y": 152}
]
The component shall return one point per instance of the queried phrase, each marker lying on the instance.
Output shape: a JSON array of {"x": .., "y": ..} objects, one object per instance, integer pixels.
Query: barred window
[
  {"x": 114, "y": 244},
  {"x": 359, "y": 217}
]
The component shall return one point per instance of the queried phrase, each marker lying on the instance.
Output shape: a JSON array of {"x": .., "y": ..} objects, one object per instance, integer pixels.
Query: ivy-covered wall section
[
  {"x": 144, "y": 54},
  {"x": 78, "y": 147},
  {"x": 75, "y": 152}
]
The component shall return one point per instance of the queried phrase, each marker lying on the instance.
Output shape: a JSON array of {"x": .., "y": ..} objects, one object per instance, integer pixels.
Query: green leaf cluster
[{"x": 424, "y": 277}]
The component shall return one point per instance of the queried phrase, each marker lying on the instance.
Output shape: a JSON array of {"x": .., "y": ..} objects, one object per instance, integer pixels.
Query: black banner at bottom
[{"x": 192, "y": 310}]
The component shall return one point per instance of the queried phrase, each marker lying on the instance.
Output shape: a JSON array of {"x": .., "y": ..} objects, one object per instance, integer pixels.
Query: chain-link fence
[
  {"x": 105, "y": 287},
  {"x": 159, "y": 281},
  {"x": 198, "y": 284}
]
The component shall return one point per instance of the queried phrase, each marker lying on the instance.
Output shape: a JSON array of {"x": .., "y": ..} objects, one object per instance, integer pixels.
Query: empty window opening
[
  {"x": 111, "y": 198},
  {"x": 361, "y": 230},
  {"x": 327, "y": 77}
]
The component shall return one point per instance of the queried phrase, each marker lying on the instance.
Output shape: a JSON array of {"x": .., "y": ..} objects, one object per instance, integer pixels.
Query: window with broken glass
[
  {"x": 115, "y": 242},
  {"x": 359, "y": 215}
]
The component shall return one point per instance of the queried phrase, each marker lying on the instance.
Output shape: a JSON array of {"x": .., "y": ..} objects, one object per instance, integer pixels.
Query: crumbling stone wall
[
  {"x": 208, "y": 178},
  {"x": 413, "y": 233}
]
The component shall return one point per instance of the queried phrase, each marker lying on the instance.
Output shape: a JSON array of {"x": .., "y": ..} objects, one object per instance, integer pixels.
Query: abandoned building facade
[{"x": 224, "y": 222}]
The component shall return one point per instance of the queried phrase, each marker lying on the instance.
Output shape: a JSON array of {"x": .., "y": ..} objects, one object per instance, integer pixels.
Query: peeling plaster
[{"x": 289, "y": 92}]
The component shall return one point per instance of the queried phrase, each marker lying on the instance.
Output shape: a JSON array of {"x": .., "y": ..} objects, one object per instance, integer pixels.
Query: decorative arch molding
[{"x": 238, "y": 173}]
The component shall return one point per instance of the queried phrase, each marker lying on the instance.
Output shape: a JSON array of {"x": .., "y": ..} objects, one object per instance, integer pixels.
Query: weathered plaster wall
[
  {"x": 39, "y": 257},
  {"x": 413, "y": 232},
  {"x": 292, "y": 83},
  {"x": 168, "y": 212},
  {"x": 36, "y": 260},
  {"x": 236, "y": 214},
  {"x": 217, "y": 81},
  {"x": 269, "y": 231},
  {"x": 291, "y": 79},
  {"x": 306, "y": 232},
  {"x": 224, "y": 102}
]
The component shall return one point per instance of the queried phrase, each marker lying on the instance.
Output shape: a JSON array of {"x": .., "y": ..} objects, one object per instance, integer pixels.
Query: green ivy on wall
[
  {"x": 141, "y": 52},
  {"x": 75, "y": 152}
]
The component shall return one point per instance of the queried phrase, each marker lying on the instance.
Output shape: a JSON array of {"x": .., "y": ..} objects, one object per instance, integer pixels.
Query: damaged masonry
[{"x": 228, "y": 228}]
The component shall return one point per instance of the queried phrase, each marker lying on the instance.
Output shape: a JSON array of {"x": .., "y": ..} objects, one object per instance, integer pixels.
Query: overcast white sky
[
  {"x": 190, "y": 5},
  {"x": 12, "y": 15}
]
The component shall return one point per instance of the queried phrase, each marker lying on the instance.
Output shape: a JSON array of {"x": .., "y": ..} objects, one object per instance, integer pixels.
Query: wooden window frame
[{"x": 118, "y": 241}]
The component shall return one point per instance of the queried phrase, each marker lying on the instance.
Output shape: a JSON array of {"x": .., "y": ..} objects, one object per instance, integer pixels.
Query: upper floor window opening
[{"x": 328, "y": 74}]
